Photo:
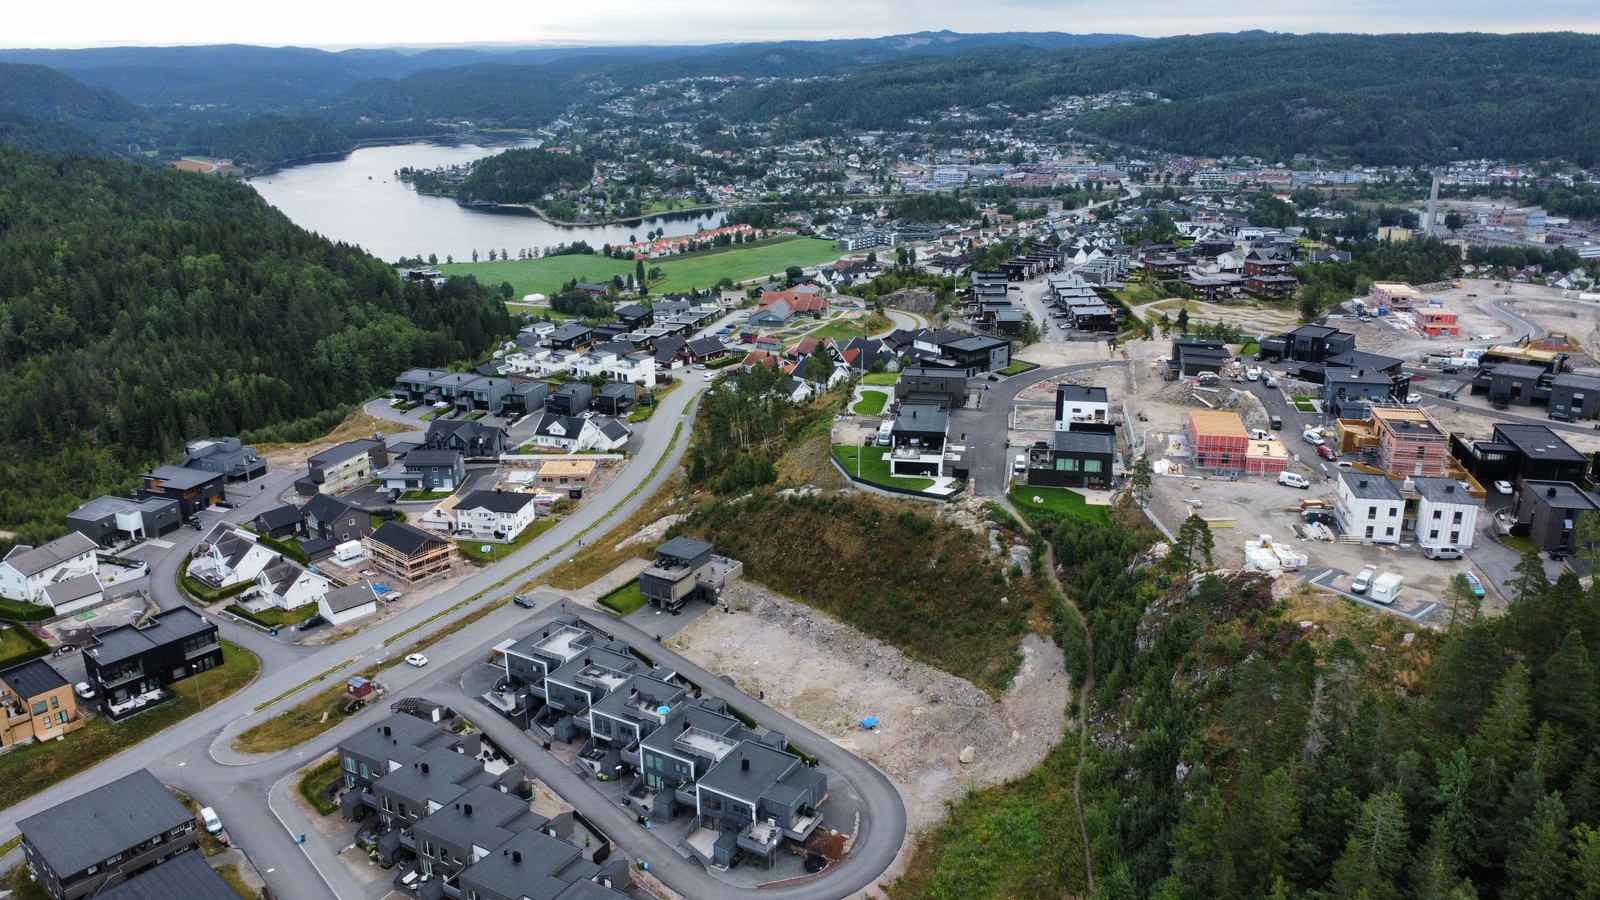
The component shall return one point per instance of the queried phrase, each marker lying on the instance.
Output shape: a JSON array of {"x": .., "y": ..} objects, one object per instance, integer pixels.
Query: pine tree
[
  {"x": 1538, "y": 866},
  {"x": 1586, "y": 862},
  {"x": 1565, "y": 693},
  {"x": 1530, "y": 582},
  {"x": 1374, "y": 853}
]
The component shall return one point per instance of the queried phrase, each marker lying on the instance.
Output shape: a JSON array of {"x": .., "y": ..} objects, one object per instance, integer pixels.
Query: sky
[{"x": 341, "y": 24}]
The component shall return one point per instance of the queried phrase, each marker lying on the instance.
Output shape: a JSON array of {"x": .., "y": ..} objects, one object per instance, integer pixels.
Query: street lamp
[{"x": 199, "y": 685}]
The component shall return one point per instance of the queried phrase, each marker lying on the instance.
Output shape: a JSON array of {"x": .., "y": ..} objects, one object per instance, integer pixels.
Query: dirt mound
[{"x": 917, "y": 300}]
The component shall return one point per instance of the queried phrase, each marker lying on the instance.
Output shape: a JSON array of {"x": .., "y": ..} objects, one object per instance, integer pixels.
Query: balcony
[
  {"x": 108, "y": 683},
  {"x": 687, "y": 794},
  {"x": 802, "y": 826},
  {"x": 760, "y": 837},
  {"x": 704, "y": 744},
  {"x": 630, "y": 754},
  {"x": 202, "y": 651}
]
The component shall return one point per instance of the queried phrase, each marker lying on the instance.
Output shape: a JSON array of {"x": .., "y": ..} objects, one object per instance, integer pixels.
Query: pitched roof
[
  {"x": 33, "y": 560},
  {"x": 325, "y": 508},
  {"x": 186, "y": 876},
  {"x": 403, "y": 538},
  {"x": 72, "y": 590},
  {"x": 424, "y": 457},
  {"x": 614, "y": 429},
  {"x": 87, "y": 829},
  {"x": 32, "y": 678},
  {"x": 349, "y": 597},
  {"x": 281, "y": 516},
  {"x": 495, "y": 501}
]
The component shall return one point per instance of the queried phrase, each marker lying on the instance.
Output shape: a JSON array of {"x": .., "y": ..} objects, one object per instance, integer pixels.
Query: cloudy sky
[{"x": 338, "y": 24}]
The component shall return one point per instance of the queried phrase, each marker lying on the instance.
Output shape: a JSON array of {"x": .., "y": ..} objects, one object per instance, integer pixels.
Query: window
[
  {"x": 61, "y": 717},
  {"x": 1093, "y": 465},
  {"x": 1433, "y": 535},
  {"x": 1456, "y": 520},
  {"x": 427, "y": 848},
  {"x": 1369, "y": 531},
  {"x": 1372, "y": 512},
  {"x": 1437, "y": 514},
  {"x": 1388, "y": 532},
  {"x": 39, "y": 708},
  {"x": 1394, "y": 511},
  {"x": 55, "y": 702},
  {"x": 1421, "y": 452}
]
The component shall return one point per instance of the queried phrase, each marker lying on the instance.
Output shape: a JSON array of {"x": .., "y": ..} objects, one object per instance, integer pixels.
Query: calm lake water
[{"x": 358, "y": 200}]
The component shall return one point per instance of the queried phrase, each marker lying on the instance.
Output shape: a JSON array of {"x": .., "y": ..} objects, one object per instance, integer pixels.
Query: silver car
[{"x": 1363, "y": 580}]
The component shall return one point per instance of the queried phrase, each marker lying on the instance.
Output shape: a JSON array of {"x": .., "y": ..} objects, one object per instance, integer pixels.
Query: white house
[
  {"x": 635, "y": 368},
  {"x": 1080, "y": 403},
  {"x": 27, "y": 571},
  {"x": 565, "y": 433},
  {"x": 1369, "y": 507},
  {"x": 441, "y": 517},
  {"x": 229, "y": 555},
  {"x": 496, "y": 515},
  {"x": 610, "y": 434},
  {"x": 1447, "y": 516},
  {"x": 343, "y": 605},
  {"x": 287, "y": 585},
  {"x": 74, "y": 594}
]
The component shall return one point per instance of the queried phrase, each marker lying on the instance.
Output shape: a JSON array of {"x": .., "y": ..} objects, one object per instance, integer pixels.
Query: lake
[{"x": 359, "y": 200}]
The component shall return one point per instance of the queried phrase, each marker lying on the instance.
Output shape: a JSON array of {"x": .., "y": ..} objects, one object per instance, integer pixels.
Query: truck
[
  {"x": 348, "y": 551},
  {"x": 1386, "y": 587}
]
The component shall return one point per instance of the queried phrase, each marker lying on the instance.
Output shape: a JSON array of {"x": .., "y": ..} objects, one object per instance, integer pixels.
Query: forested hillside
[
  {"x": 267, "y": 140},
  {"x": 523, "y": 176},
  {"x": 1378, "y": 99},
  {"x": 142, "y": 307},
  {"x": 25, "y": 133},
  {"x": 47, "y": 95}
]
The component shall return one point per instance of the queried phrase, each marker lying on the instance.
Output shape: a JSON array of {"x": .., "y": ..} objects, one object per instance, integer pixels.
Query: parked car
[
  {"x": 1020, "y": 464},
  {"x": 1502, "y": 487},
  {"x": 1326, "y": 452},
  {"x": 1449, "y": 369},
  {"x": 1363, "y": 580},
  {"x": 1311, "y": 435},
  {"x": 1253, "y": 373},
  {"x": 1442, "y": 552},
  {"x": 1277, "y": 423},
  {"x": 1413, "y": 398},
  {"x": 1475, "y": 584},
  {"x": 84, "y": 690},
  {"x": 523, "y": 600},
  {"x": 1271, "y": 381},
  {"x": 417, "y": 659},
  {"x": 1208, "y": 378},
  {"x": 208, "y": 818},
  {"x": 313, "y": 622},
  {"x": 1290, "y": 479},
  {"x": 1563, "y": 417}
]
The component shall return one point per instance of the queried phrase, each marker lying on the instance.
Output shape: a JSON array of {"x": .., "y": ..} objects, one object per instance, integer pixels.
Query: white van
[
  {"x": 208, "y": 818},
  {"x": 1021, "y": 463},
  {"x": 885, "y": 432},
  {"x": 1290, "y": 479},
  {"x": 1363, "y": 579},
  {"x": 1442, "y": 552}
]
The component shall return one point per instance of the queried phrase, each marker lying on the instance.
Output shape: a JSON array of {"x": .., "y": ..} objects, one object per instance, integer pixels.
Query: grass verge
[
  {"x": 275, "y": 617},
  {"x": 624, "y": 600},
  {"x": 1020, "y": 839},
  {"x": 313, "y": 780},
  {"x": 31, "y": 768},
  {"x": 874, "y": 467},
  {"x": 301, "y": 722},
  {"x": 230, "y": 874},
  {"x": 1057, "y": 500}
]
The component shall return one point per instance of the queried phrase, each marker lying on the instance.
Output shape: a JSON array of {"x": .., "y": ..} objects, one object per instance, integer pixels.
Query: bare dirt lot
[{"x": 832, "y": 676}]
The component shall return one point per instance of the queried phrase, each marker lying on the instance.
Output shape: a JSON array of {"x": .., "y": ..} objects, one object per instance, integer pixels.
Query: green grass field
[
  {"x": 888, "y": 378},
  {"x": 1057, "y": 500},
  {"x": 741, "y": 262},
  {"x": 875, "y": 467}
]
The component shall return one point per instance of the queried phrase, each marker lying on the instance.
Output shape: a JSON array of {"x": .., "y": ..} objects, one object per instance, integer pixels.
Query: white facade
[
  {"x": 1447, "y": 516},
  {"x": 27, "y": 571},
  {"x": 288, "y": 586},
  {"x": 507, "y": 524},
  {"x": 1370, "y": 507}
]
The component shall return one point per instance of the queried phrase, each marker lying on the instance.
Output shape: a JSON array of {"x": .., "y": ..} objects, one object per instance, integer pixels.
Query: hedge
[
  {"x": 206, "y": 596},
  {"x": 24, "y": 612},
  {"x": 36, "y": 646}
]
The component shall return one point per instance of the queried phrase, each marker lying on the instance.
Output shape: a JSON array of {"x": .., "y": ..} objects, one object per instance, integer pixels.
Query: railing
[
  {"x": 108, "y": 683},
  {"x": 686, "y": 793}
]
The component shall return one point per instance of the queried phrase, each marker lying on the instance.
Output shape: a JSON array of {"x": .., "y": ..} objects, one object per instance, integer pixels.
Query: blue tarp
[{"x": 870, "y": 722}]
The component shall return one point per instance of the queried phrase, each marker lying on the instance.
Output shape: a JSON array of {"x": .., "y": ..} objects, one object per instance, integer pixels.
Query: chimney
[
  {"x": 424, "y": 768},
  {"x": 386, "y": 731},
  {"x": 744, "y": 764},
  {"x": 466, "y": 810},
  {"x": 1550, "y": 492},
  {"x": 516, "y": 857}
]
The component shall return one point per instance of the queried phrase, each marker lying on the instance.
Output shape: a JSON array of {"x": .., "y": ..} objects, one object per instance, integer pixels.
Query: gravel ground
[{"x": 832, "y": 676}]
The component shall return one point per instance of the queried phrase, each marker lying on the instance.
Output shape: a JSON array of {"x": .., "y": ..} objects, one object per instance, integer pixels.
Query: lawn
[
  {"x": 1017, "y": 368},
  {"x": 472, "y": 551},
  {"x": 1519, "y": 543},
  {"x": 625, "y": 599},
  {"x": 875, "y": 468},
  {"x": 13, "y": 643},
  {"x": 871, "y": 403},
  {"x": 1250, "y": 349},
  {"x": 425, "y": 495},
  {"x": 741, "y": 262},
  {"x": 275, "y": 617},
  {"x": 1057, "y": 500},
  {"x": 1304, "y": 404},
  {"x": 883, "y": 378},
  {"x": 31, "y": 768}
]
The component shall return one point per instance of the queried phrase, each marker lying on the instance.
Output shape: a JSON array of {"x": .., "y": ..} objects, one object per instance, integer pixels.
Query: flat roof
[
  {"x": 1406, "y": 420},
  {"x": 567, "y": 467},
  {"x": 32, "y": 678},
  {"x": 1215, "y": 423},
  {"x": 1537, "y": 442},
  {"x": 1560, "y": 494},
  {"x": 180, "y": 478},
  {"x": 922, "y": 417},
  {"x": 107, "y": 505},
  {"x": 683, "y": 548},
  {"x": 1364, "y": 486},
  {"x": 1517, "y": 370},
  {"x": 1443, "y": 490},
  {"x": 1085, "y": 442}
]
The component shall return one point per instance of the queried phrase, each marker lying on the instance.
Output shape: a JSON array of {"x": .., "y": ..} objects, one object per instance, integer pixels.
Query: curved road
[{"x": 196, "y": 755}]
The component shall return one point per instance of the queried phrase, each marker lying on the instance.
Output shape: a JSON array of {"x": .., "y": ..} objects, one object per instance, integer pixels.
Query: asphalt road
[
  {"x": 988, "y": 460},
  {"x": 182, "y": 755}
]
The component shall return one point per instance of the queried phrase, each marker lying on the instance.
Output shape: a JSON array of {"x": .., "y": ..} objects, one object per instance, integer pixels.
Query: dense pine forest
[
  {"x": 142, "y": 307},
  {"x": 523, "y": 176},
  {"x": 267, "y": 140}
]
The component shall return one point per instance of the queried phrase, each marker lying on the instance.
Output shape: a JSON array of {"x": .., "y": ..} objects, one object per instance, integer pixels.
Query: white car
[
  {"x": 1290, "y": 479},
  {"x": 208, "y": 817},
  {"x": 1363, "y": 580},
  {"x": 1502, "y": 487},
  {"x": 1271, "y": 381},
  {"x": 84, "y": 690},
  {"x": 1413, "y": 398},
  {"x": 1253, "y": 373},
  {"x": 417, "y": 659}
]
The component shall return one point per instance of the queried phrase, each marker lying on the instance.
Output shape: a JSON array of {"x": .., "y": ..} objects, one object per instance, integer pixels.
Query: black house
[
  {"x": 131, "y": 668},
  {"x": 526, "y": 397},
  {"x": 635, "y": 316},
  {"x": 1316, "y": 343},
  {"x": 193, "y": 489},
  {"x": 571, "y": 337},
  {"x": 1191, "y": 356},
  {"x": 1517, "y": 452},
  {"x": 572, "y": 399},
  {"x": 1085, "y": 457},
  {"x": 616, "y": 399}
]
